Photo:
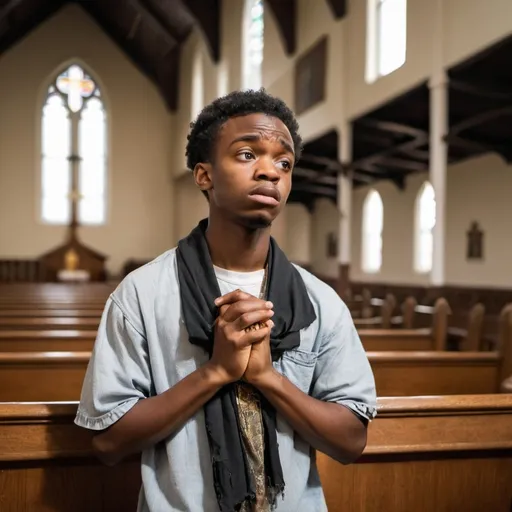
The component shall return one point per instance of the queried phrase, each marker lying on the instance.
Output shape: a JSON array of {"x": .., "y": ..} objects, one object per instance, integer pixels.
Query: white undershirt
[{"x": 249, "y": 282}]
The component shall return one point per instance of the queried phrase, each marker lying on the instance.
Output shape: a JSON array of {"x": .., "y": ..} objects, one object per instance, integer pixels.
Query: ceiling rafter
[
  {"x": 319, "y": 190},
  {"x": 285, "y": 16},
  {"x": 155, "y": 23},
  {"x": 338, "y": 8},
  {"x": 502, "y": 149},
  {"x": 176, "y": 23},
  {"x": 208, "y": 17},
  {"x": 491, "y": 91},
  {"x": 479, "y": 119}
]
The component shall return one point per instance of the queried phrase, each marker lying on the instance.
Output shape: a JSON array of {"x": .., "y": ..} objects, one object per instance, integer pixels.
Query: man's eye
[{"x": 247, "y": 155}]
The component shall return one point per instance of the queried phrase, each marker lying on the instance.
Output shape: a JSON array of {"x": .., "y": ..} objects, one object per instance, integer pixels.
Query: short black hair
[{"x": 204, "y": 130}]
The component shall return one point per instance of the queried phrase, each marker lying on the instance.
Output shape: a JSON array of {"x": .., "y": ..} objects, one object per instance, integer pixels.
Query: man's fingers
[
  {"x": 252, "y": 317},
  {"x": 257, "y": 335},
  {"x": 233, "y": 311},
  {"x": 232, "y": 297}
]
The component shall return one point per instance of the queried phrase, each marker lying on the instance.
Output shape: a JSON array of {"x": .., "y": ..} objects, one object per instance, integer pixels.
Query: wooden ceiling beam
[
  {"x": 315, "y": 176},
  {"x": 329, "y": 163},
  {"x": 400, "y": 163},
  {"x": 503, "y": 150},
  {"x": 17, "y": 19},
  {"x": 285, "y": 16},
  {"x": 417, "y": 154},
  {"x": 389, "y": 126},
  {"x": 172, "y": 16},
  {"x": 402, "y": 148},
  {"x": 208, "y": 16},
  {"x": 317, "y": 190},
  {"x": 492, "y": 91},
  {"x": 479, "y": 119},
  {"x": 155, "y": 24},
  {"x": 338, "y": 8}
]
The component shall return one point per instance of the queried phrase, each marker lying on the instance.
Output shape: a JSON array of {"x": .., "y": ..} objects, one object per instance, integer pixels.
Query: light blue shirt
[{"x": 142, "y": 349}]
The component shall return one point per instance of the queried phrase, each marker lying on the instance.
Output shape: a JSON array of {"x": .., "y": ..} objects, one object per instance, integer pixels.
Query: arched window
[
  {"x": 253, "y": 44},
  {"x": 425, "y": 222},
  {"x": 373, "y": 222},
  {"x": 73, "y": 150},
  {"x": 386, "y": 37}
]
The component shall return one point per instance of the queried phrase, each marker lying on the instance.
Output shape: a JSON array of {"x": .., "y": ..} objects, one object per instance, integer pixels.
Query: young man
[{"x": 221, "y": 361}]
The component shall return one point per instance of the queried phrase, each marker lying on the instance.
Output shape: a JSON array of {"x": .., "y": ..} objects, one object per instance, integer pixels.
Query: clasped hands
[{"x": 241, "y": 347}]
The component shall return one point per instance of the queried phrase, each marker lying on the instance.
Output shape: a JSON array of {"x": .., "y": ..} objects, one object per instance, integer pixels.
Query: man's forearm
[
  {"x": 328, "y": 427},
  {"x": 153, "y": 419}
]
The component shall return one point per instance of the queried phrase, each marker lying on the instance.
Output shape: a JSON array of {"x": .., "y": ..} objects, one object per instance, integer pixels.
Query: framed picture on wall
[
  {"x": 310, "y": 77},
  {"x": 475, "y": 242}
]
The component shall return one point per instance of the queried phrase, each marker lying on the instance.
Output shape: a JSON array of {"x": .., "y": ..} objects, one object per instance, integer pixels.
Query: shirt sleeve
[
  {"x": 342, "y": 373},
  {"x": 118, "y": 374}
]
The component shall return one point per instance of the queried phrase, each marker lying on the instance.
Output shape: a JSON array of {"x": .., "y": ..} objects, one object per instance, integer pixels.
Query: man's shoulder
[
  {"x": 154, "y": 269},
  {"x": 145, "y": 282},
  {"x": 318, "y": 290},
  {"x": 330, "y": 309}
]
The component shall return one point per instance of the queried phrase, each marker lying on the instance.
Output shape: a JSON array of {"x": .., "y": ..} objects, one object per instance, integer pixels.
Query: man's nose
[{"x": 266, "y": 171}]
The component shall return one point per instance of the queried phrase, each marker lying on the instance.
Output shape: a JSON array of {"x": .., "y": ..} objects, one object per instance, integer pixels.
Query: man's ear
[{"x": 203, "y": 176}]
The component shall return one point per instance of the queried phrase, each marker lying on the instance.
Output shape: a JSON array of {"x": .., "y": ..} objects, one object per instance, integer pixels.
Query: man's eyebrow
[{"x": 254, "y": 137}]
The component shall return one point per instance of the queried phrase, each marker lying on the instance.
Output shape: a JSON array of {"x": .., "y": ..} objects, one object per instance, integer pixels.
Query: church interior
[{"x": 399, "y": 202}]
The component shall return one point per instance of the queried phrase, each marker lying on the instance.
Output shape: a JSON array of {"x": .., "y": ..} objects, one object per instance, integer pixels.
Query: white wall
[
  {"x": 298, "y": 234},
  {"x": 190, "y": 205},
  {"x": 477, "y": 190},
  {"x": 324, "y": 220},
  {"x": 471, "y": 25},
  {"x": 140, "y": 189}
]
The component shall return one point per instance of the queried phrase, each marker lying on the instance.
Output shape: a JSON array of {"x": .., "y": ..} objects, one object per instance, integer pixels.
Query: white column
[
  {"x": 345, "y": 198},
  {"x": 438, "y": 166}
]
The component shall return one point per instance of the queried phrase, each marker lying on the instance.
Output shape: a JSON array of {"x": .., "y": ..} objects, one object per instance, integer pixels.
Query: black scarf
[{"x": 293, "y": 311}]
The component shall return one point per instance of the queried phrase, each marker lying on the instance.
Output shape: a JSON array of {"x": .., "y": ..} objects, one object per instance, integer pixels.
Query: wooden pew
[
  {"x": 436, "y": 373},
  {"x": 49, "y": 376},
  {"x": 445, "y": 373},
  {"x": 428, "y": 454},
  {"x": 50, "y": 313},
  {"x": 375, "y": 340},
  {"x": 54, "y": 296},
  {"x": 423, "y": 454},
  {"x": 48, "y": 323},
  {"x": 46, "y": 464},
  {"x": 409, "y": 339},
  {"x": 42, "y": 376},
  {"x": 47, "y": 341}
]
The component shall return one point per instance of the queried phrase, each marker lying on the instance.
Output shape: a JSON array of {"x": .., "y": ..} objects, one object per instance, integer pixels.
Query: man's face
[{"x": 249, "y": 179}]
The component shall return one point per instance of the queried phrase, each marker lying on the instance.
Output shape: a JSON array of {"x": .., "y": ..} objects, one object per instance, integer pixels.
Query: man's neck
[{"x": 235, "y": 247}]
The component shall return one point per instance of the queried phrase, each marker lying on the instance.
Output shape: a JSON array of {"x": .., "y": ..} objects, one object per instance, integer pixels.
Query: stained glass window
[
  {"x": 425, "y": 222},
  {"x": 73, "y": 141},
  {"x": 373, "y": 222},
  {"x": 253, "y": 44}
]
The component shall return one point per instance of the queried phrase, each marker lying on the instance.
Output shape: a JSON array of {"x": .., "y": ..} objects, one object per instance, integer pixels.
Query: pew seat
[
  {"x": 46, "y": 341},
  {"x": 423, "y": 454}
]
